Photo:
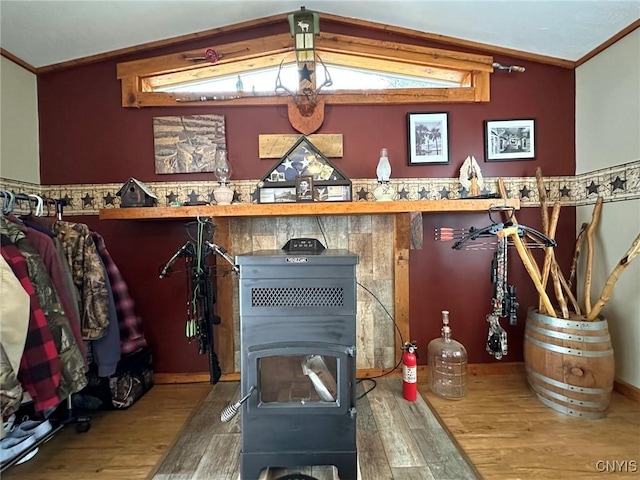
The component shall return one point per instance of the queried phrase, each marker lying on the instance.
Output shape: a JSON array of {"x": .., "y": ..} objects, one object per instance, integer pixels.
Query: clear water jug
[{"x": 447, "y": 361}]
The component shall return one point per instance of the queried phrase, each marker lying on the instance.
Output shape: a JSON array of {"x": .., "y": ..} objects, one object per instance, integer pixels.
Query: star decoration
[
  {"x": 210, "y": 197},
  {"x": 193, "y": 197},
  {"x": 87, "y": 200},
  {"x": 172, "y": 197},
  {"x": 362, "y": 194},
  {"x": 525, "y": 192},
  {"x": 255, "y": 195},
  {"x": 592, "y": 188},
  {"x": 68, "y": 200},
  {"x": 618, "y": 184},
  {"x": 463, "y": 192},
  {"x": 305, "y": 73},
  {"x": 304, "y": 163},
  {"x": 287, "y": 163},
  {"x": 444, "y": 193},
  {"x": 109, "y": 199},
  {"x": 424, "y": 193},
  {"x": 565, "y": 192},
  {"x": 236, "y": 197},
  {"x": 403, "y": 194}
]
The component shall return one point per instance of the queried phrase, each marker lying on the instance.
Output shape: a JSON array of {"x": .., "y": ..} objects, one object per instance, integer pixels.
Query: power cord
[
  {"x": 372, "y": 379},
  {"x": 359, "y": 380}
]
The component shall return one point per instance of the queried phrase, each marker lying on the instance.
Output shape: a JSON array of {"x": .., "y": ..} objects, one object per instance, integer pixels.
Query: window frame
[{"x": 140, "y": 77}]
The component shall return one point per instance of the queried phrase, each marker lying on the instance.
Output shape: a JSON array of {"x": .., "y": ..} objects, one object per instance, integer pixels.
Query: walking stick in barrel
[
  {"x": 576, "y": 253},
  {"x": 550, "y": 231},
  {"x": 529, "y": 266},
  {"x": 624, "y": 262},
  {"x": 595, "y": 218}
]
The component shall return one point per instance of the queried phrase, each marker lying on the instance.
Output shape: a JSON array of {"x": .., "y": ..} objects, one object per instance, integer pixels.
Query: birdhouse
[{"x": 134, "y": 193}]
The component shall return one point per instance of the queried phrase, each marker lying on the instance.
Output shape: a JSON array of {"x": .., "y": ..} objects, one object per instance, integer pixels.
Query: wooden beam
[
  {"x": 401, "y": 241},
  {"x": 224, "y": 301},
  {"x": 405, "y": 52},
  {"x": 313, "y": 208}
]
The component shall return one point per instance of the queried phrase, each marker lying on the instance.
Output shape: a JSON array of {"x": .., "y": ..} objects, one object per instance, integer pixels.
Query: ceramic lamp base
[
  {"x": 223, "y": 195},
  {"x": 383, "y": 192}
]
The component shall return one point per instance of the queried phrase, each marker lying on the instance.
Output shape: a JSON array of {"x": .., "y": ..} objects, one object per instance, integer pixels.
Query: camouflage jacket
[{"x": 88, "y": 275}]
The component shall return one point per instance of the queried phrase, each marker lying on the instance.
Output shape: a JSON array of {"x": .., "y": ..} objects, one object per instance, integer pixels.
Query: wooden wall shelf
[{"x": 293, "y": 209}]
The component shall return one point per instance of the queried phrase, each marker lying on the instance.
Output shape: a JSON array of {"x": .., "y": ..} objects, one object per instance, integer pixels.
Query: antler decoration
[{"x": 306, "y": 111}]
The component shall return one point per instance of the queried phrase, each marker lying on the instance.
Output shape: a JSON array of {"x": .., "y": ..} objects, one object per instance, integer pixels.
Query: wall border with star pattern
[{"x": 618, "y": 183}]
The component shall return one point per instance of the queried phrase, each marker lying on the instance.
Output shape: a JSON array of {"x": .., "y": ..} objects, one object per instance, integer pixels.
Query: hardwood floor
[
  {"x": 503, "y": 430},
  {"x": 509, "y": 434}
]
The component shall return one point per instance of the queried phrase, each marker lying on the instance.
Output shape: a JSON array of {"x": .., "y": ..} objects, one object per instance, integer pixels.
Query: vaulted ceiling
[{"x": 45, "y": 33}]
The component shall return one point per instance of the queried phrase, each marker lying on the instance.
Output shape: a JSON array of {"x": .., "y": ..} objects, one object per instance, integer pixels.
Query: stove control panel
[{"x": 303, "y": 245}]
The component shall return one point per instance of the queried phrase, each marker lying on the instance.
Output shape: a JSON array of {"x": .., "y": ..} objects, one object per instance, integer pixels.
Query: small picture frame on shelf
[
  {"x": 508, "y": 140},
  {"x": 304, "y": 188},
  {"x": 428, "y": 138}
]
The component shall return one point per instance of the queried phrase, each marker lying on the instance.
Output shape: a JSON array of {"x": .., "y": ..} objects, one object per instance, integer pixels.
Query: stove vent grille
[{"x": 297, "y": 297}]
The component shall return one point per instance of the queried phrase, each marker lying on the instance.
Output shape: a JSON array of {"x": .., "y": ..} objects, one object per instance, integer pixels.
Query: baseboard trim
[
  {"x": 473, "y": 369},
  {"x": 630, "y": 391},
  {"x": 476, "y": 369}
]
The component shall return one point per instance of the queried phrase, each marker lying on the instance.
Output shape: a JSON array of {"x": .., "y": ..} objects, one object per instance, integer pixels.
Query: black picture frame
[
  {"x": 428, "y": 138},
  {"x": 304, "y": 188},
  {"x": 510, "y": 140}
]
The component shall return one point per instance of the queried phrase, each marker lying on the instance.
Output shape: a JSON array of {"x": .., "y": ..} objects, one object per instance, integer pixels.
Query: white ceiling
[{"x": 43, "y": 33}]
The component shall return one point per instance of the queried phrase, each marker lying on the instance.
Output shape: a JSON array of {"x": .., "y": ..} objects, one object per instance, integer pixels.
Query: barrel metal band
[
  {"x": 569, "y": 336},
  {"x": 569, "y": 400},
  {"x": 567, "y": 410},
  {"x": 570, "y": 351},
  {"x": 566, "y": 386},
  {"x": 564, "y": 323}
]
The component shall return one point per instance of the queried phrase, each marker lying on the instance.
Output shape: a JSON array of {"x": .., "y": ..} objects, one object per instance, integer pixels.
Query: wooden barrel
[{"x": 569, "y": 364}]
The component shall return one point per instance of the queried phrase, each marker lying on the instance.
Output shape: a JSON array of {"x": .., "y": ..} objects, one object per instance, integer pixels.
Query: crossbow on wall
[
  {"x": 201, "y": 297},
  {"x": 504, "y": 302}
]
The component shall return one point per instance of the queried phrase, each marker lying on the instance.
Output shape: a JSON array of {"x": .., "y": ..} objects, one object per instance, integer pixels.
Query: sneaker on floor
[
  {"x": 33, "y": 428},
  {"x": 11, "y": 447},
  {"x": 7, "y": 425}
]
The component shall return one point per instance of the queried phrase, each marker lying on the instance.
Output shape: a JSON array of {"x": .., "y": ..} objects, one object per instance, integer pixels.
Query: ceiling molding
[
  {"x": 441, "y": 39},
  {"x": 623, "y": 33},
  {"x": 17, "y": 61}
]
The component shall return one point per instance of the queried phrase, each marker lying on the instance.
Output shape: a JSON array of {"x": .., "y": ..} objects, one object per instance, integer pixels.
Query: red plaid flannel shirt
[
  {"x": 131, "y": 335},
  {"x": 39, "y": 371}
]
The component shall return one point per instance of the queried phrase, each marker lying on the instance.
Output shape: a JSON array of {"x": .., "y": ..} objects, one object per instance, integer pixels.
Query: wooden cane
[
  {"x": 542, "y": 195},
  {"x": 613, "y": 278},
  {"x": 533, "y": 273},
  {"x": 595, "y": 218},
  {"x": 548, "y": 254},
  {"x": 576, "y": 253},
  {"x": 503, "y": 193}
]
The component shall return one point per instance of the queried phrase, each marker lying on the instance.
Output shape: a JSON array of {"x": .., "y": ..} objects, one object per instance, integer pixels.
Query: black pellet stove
[{"x": 297, "y": 340}]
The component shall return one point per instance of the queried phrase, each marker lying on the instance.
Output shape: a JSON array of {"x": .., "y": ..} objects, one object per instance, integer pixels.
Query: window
[{"x": 245, "y": 73}]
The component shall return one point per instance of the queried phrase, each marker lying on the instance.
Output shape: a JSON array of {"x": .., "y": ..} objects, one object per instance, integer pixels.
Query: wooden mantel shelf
[{"x": 294, "y": 209}]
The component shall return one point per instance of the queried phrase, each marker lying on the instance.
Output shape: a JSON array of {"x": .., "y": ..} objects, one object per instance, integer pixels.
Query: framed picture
[
  {"x": 304, "y": 188},
  {"x": 507, "y": 140},
  {"x": 428, "y": 138}
]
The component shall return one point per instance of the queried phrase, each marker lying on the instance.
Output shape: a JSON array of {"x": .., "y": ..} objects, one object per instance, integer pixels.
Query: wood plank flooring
[
  {"x": 395, "y": 440},
  {"x": 502, "y": 428},
  {"x": 508, "y": 434}
]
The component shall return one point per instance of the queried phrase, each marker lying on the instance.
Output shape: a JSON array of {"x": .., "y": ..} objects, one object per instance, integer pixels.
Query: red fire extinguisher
[{"x": 410, "y": 372}]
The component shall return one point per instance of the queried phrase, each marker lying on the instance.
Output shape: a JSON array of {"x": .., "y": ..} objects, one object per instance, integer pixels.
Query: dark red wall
[{"x": 87, "y": 137}]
